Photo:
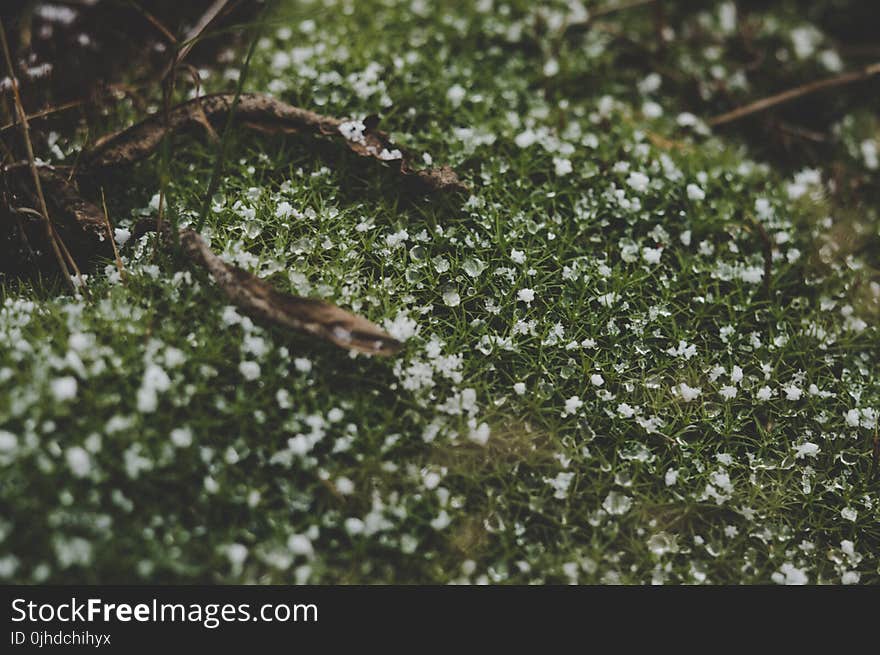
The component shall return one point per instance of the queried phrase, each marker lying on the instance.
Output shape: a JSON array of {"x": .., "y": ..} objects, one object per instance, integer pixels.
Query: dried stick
[
  {"x": 111, "y": 237},
  {"x": 795, "y": 93},
  {"x": 46, "y": 112},
  {"x": 25, "y": 130},
  {"x": 214, "y": 182},
  {"x": 155, "y": 22},
  {"x": 258, "y": 299},
  {"x": 267, "y": 115},
  {"x": 195, "y": 34}
]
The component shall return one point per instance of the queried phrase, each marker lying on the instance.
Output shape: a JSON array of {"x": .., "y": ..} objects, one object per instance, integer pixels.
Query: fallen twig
[
  {"x": 192, "y": 37},
  {"x": 155, "y": 23},
  {"x": 268, "y": 115},
  {"x": 25, "y": 130},
  {"x": 90, "y": 225},
  {"x": 111, "y": 236},
  {"x": 258, "y": 299},
  {"x": 875, "y": 454},
  {"x": 46, "y": 112},
  {"x": 316, "y": 317},
  {"x": 795, "y": 93},
  {"x": 219, "y": 160}
]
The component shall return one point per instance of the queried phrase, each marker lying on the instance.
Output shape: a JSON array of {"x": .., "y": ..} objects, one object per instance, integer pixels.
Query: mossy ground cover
[{"x": 599, "y": 383}]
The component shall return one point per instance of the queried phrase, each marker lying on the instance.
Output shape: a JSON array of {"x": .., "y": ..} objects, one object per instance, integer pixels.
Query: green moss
[{"x": 371, "y": 461}]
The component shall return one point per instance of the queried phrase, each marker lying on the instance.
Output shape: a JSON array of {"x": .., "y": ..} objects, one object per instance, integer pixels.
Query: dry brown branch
[
  {"x": 155, "y": 23},
  {"x": 875, "y": 454},
  {"x": 259, "y": 300},
  {"x": 268, "y": 115},
  {"x": 111, "y": 236},
  {"x": 25, "y": 130},
  {"x": 46, "y": 112},
  {"x": 795, "y": 93},
  {"x": 192, "y": 37},
  {"x": 254, "y": 296}
]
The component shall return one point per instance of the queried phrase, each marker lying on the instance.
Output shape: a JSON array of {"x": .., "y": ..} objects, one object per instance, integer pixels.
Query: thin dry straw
[
  {"x": 25, "y": 130},
  {"x": 227, "y": 129}
]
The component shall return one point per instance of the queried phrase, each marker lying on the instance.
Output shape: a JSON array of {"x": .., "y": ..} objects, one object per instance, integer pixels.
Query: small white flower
[
  {"x": 250, "y": 370},
  {"x": 8, "y": 442},
  {"x": 789, "y": 574},
  {"x": 695, "y": 193},
  {"x": 344, "y": 486},
  {"x": 64, "y": 388},
  {"x": 79, "y": 461},
  {"x": 526, "y": 295},
  {"x": 480, "y": 434},
  {"x": 354, "y": 526},
  {"x": 121, "y": 235},
  {"x": 736, "y": 375},
  {"x": 850, "y": 577},
  {"x": 650, "y": 83},
  {"x": 283, "y": 210},
  {"x": 402, "y": 327},
  {"x": 870, "y": 154},
  {"x": 638, "y": 181},
  {"x": 687, "y": 119},
  {"x": 300, "y": 544},
  {"x": 353, "y": 131},
  {"x": 728, "y": 392},
  {"x": 764, "y": 393},
  {"x": 616, "y": 503},
  {"x": 456, "y": 94},
  {"x": 181, "y": 437},
  {"x": 625, "y": 410},
  {"x": 793, "y": 393},
  {"x": 562, "y": 166},
  {"x": 572, "y": 405},
  {"x": 597, "y": 380},
  {"x": 652, "y": 255},
  {"x": 849, "y": 513},
  {"x": 561, "y": 483},
  {"x": 237, "y": 554},
  {"x": 806, "y": 449},
  {"x": 651, "y": 109},
  {"x": 451, "y": 298},
  {"x": 442, "y": 520},
  {"x": 519, "y": 388},
  {"x": 526, "y": 138},
  {"x": 688, "y": 393},
  {"x": 608, "y": 299},
  {"x": 431, "y": 479},
  {"x": 852, "y": 418}
]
